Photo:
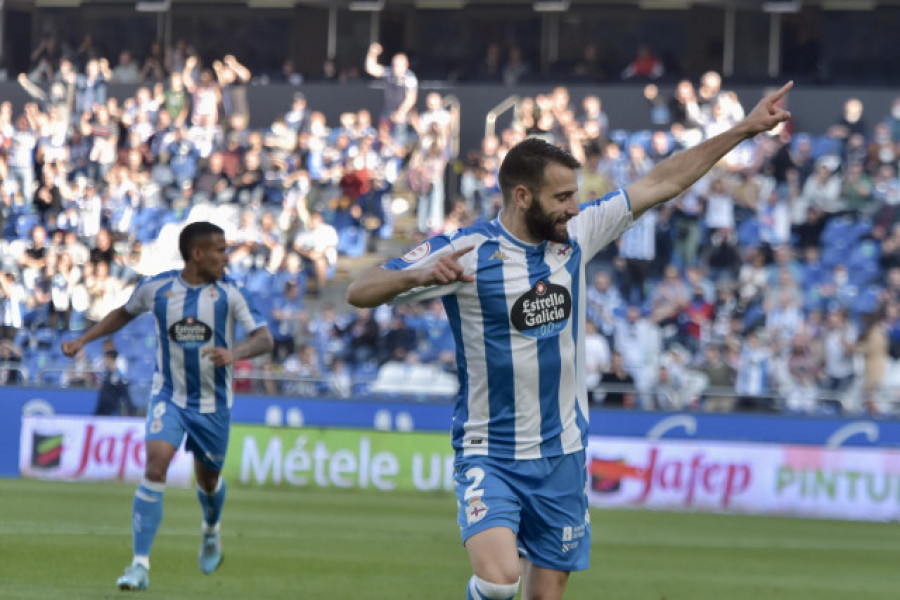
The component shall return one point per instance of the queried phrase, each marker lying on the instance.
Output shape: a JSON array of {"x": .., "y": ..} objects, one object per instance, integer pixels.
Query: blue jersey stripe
[
  {"x": 192, "y": 355},
  {"x": 497, "y": 347},
  {"x": 160, "y": 305},
  {"x": 221, "y": 341},
  {"x": 574, "y": 272},
  {"x": 548, "y": 363},
  {"x": 461, "y": 412}
]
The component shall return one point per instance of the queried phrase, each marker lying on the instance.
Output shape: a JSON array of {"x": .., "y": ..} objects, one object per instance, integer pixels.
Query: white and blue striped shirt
[
  {"x": 189, "y": 318},
  {"x": 518, "y": 331}
]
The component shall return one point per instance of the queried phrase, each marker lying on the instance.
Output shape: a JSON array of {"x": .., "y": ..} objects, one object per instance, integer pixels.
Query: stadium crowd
[{"x": 772, "y": 284}]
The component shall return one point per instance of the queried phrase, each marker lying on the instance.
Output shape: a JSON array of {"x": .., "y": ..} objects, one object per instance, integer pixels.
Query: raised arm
[
  {"x": 377, "y": 285},
  {"x": 372, "y": 67},
  {"x": 677, "y": 173},
  {"x": 111, "y": 323}
]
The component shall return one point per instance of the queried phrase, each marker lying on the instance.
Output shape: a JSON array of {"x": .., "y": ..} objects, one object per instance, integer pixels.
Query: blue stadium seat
[
  {"x": 25, "y": 223},
  {"x": 825, "y": 146},
  {"x": 620, "y": 137},
  {"x": 642, "y": 138},
  {"x": 352, "y": 242},
  {"x": 748, "y": 233}
]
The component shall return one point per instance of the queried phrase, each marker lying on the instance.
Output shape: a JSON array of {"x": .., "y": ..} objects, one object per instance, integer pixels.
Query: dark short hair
[
  {"x": 524, "y": 165},
  {"x": 194, "y": 233}
]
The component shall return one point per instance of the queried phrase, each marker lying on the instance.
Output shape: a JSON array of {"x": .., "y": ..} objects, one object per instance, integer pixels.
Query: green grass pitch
[{"x": 69, "y": 541}]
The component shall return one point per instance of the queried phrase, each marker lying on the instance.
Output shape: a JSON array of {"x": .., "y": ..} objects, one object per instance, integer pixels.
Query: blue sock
[
  {"x": 147, "y": 513},
  {"x": 211, "y": 504}
]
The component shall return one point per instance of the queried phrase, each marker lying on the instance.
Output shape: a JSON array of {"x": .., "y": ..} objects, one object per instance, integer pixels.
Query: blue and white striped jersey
[
  {"x": 518, "y": 331},
  {"x": 189, "y": 318}
]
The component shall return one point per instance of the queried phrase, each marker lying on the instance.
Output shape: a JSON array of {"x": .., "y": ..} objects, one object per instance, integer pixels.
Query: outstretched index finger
[{"x": 780, "y": 93}]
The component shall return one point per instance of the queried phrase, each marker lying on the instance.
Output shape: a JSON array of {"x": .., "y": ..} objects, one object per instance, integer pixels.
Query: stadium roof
[{"x": 539, "y": 5}]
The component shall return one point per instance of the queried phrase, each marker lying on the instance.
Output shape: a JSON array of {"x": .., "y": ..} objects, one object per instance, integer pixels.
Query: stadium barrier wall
[
  {"x": 387, "y": 414},
  {"x": 87, "y": 448},
  {"x": 645, "y": 471},
  {"x": 339, "y": 458},
  {"x": 773, "y": 479}
]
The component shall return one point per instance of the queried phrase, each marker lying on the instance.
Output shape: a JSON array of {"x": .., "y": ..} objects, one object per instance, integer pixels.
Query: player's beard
[{"x": 543, "y": 226}]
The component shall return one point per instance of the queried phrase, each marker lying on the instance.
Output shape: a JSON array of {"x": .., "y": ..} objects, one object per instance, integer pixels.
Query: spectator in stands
[
  {"x": 840, "y": 345},
  {"x": 12, "y": 299},
  {"x": 399, "y": 341},
  {"x": 153, "y": 69},
  {"x": 400, "y": 88},
  {"x": 604, "y": 300},
  {"x": 719, "y": 392},
  {"x": 45, "y": 58},
  {"x": 516, "y": 67},
  {"x": 490, "y": 68},
  {"x": 361, "y": 338},
  {"x": 20, "y": 152},
  {"x": 590, "y": 67},
  {"x": 637, "y": 252},
  {"x": 232, "y": 78},
  {"x": 874, "y": 346},
  {"x": 669, "y": 298},
  {"x": 204, "y": 90},
  {"x": 754, "y": 374},
  {"x": 48, "y": 196},
  {"x": 850, "y": 122},
  {"x": 803, "y": 370},
  {"x": 639, "y": 341},
  {"x": 288, "y": 316},
  {"x": 317, "y": 245},
  {"x": 597, "y": 356},
  {"x": 645, "y": 64},
  {"x": 91, "y": 86},
  {"x": 620, "y": 393},
  {"x": 10, "y": 361},
  {"x": 126, "y": 69},
  {"x": 113, "y": 397}
]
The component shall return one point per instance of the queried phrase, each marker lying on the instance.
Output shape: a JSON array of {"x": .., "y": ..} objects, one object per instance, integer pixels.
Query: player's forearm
[
  {"x": 110, "y": 324},
  {"x": 677, "y": 173},
  {"x": 378, "y": 286},
  {"x": 259, "y": 342}
]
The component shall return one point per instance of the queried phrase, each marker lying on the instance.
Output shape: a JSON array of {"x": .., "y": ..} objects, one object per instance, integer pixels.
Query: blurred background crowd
[{"x": 773, "y": 284}]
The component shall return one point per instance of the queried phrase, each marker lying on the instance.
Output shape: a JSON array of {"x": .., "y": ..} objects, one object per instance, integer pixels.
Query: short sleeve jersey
[
  {"x": 188, "y": 319},
  {"x": 519, "y": 342}
]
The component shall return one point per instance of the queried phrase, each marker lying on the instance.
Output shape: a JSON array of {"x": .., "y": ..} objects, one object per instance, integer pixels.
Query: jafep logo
[
  {"x": 46, "y": 450},
  {"x": 688, "y": 476}
]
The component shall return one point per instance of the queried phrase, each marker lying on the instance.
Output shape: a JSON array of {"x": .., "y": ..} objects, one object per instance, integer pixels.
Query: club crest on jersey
[
  {"x": 475, "y": 510},
  {"x": 190, "y": 333},
  {"x": 417, "y": 253},
  {"x": 543, "y": 311},
  {"x": 213, "y": 294}
]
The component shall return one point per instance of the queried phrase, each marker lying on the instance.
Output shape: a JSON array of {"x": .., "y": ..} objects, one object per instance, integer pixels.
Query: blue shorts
[
  {"x": 544, "y": 501},
  {"x": 207, "y": 433}
]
